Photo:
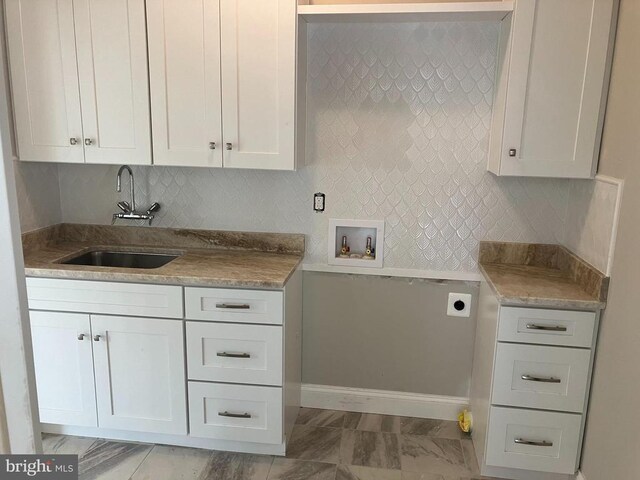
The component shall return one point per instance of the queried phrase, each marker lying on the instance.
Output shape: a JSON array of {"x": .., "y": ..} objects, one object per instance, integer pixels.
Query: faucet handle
[
  {"x": 153, "y": 208},
  {"x": 124, "y": 206}
]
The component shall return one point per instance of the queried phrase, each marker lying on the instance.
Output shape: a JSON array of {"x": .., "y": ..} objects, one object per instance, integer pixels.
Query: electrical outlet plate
[{"x": 455, "y": 297}]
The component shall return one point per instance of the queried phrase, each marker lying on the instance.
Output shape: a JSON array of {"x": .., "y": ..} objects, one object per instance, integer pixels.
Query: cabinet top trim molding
[{"x": 406, "y": 12}]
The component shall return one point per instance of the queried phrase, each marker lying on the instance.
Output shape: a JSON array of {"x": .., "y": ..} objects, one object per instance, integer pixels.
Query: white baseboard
[{"x": 383, "y": 402}]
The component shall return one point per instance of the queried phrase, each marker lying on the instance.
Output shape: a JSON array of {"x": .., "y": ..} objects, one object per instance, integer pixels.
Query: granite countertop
[
  {"x": 536, "y": 275},
  {"x": 208, "y": 258}
]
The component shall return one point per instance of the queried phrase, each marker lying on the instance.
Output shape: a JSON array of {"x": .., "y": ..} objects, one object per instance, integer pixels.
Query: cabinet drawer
[
  {"x": 534, "y": 376},
  {"x": 223, "y": 352},
  {"x": 236, "y": 412},
  {"x": 533, "y": 440},
  {"x": 546, "y": 327},
  {"x": 141, "y": 300},
  {"x": 238, "y": 306}
]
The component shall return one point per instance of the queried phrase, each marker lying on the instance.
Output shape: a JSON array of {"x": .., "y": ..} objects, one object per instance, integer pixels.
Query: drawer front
[
  {"x": 241, "y": 413},
  {"x": 546, "y": 327},
  {"x": 535, "y": 376},
  {"x": 141, "y": 300},
  {"x": 533, "y": 440},
  {"x": 237, "y": 306},
  {"x": 223, "y": 352}
]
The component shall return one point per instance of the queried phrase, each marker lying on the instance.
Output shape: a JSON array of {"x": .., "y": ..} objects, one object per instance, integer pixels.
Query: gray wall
[
  {"x": 612, "y": 442},
  {"x": 386, "y": 333}
]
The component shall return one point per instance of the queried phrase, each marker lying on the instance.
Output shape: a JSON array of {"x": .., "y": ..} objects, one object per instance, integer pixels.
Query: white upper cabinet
[
  {"x": 184, "y": 68},
  {"x": 259, "y": 83},
  {"x": 80, "y": 80},
  {"x": 551, "y": 88},
  {"x": 44, "y": 74},
  {"x": 114, "y": 86}
]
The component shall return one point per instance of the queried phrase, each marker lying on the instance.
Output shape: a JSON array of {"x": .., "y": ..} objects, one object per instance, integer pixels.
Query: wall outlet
[
  {"x": 318, "y": 202},
  {"x": 459, "y": 305}
]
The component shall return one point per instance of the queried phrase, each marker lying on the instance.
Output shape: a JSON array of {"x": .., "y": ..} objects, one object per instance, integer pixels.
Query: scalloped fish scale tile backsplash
[{"x": 398, "y": 119}]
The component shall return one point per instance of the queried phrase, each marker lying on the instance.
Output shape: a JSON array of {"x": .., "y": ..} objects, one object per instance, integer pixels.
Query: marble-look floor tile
[
  {"x": 237, "y": 466},
  {"x": 173, "y": 463},
  {"x": 65, "y": 444},
  {"x": 370, "y": 449},
  {"x": 289, "y": 469},
  {"x": 112, "y": 460},
  {"x": 320, "y": 418},
  {"x": 430, "y": 427},
  {"x": 424, "y": 476},
  {"x": 372, "y": 422},
  {"x": 441, "y": 456},
  {"x": 321, "y": 444},
  {"x": 354, "y": 472}
]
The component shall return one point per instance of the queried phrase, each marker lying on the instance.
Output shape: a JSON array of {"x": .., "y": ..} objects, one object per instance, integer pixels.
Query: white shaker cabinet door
[
  {"x": 553, "y": 96},
  {"x": 184, "y": 69},
  {"x": 140, "y": 378},
  {"x": 258, "y": 83},
  {"x": 114, "y": 84},
  {"x": 64, "y": 368},
  {"x": 44, "y": 80}
]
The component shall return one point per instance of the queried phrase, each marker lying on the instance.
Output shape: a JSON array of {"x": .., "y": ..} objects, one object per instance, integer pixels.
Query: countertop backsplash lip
[
  {"x": 162, "y": 237},
  {"x": 542, "y": 275}
]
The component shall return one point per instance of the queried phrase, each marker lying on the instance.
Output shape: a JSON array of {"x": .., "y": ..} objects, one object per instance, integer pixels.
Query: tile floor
[{"x": 325, "y": 445}]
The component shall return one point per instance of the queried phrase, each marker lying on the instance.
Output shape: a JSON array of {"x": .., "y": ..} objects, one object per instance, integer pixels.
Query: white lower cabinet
[
  {"x": 529, "y": 388},
  {"x": 244, "y": 413},
  {"x": 121, "y": 373},
  {"x": 139, "y": 369},
  {"x": 224, "y": 352},
  {"x": 533, "y": 440},
  {"x": 63, "y": 364},
  {"x": 534, "y": 376},
  {"x": 222, "y": 374}
]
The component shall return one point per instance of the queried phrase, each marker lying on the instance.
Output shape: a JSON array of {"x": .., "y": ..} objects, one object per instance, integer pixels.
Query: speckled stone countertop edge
[
  {"x": 541, "y": 302},
  {"x": 204, "y": 261}
]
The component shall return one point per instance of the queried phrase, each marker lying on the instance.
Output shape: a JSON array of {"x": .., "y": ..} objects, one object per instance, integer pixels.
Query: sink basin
[{"x": 121, "y": 259}]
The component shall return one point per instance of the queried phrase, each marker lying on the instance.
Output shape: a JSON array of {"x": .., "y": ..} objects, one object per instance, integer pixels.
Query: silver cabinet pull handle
[
  {"x": 73, "y": 141},
  {"x": 234, "y": 415},
  {"x": 531, "y": 378},
  {"x": 233, "y": 355},
  {"x": 81, "y": 336},
  {"x": 513, "y": 152},
  {"x": 548, "y": 328},
  {"x": 229, "y": 146},
  {"x": 543, "y": 443},
  {"x": 88, "y": 142},
  {"x": 96, "y": 338},
  {"x": 234, "y": 306},
  {"x": 212, "y": 145}
]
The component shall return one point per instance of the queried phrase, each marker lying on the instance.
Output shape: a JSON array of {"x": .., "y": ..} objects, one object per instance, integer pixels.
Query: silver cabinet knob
[
  {"x": 212, "y": 145},
  {"x": 229, "y": 146},
  {"x": 73, "y": 141},
  {"x": 81, "y": 336},
  {"x": 513, "y": 152},
  {"x": 88, "y": 142},
  {"x": 96, "y": 338}
]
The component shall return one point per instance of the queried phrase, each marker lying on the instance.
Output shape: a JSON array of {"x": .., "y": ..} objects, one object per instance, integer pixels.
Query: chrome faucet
[
  {"x": 129, "y": 211},
  {"x": 132, "y": 208}
]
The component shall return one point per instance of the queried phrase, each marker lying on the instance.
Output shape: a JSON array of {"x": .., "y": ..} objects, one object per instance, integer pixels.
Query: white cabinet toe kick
[
  {"x": 530, "y": 388},
  {"x": 211, "y": 368}
]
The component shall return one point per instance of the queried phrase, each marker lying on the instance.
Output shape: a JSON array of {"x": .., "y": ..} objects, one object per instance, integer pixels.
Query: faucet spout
[{"x": 132, "y": 184}]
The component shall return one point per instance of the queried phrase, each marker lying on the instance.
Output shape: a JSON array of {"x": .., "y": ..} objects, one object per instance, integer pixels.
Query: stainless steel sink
[{"x": 102, "y": 258}]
